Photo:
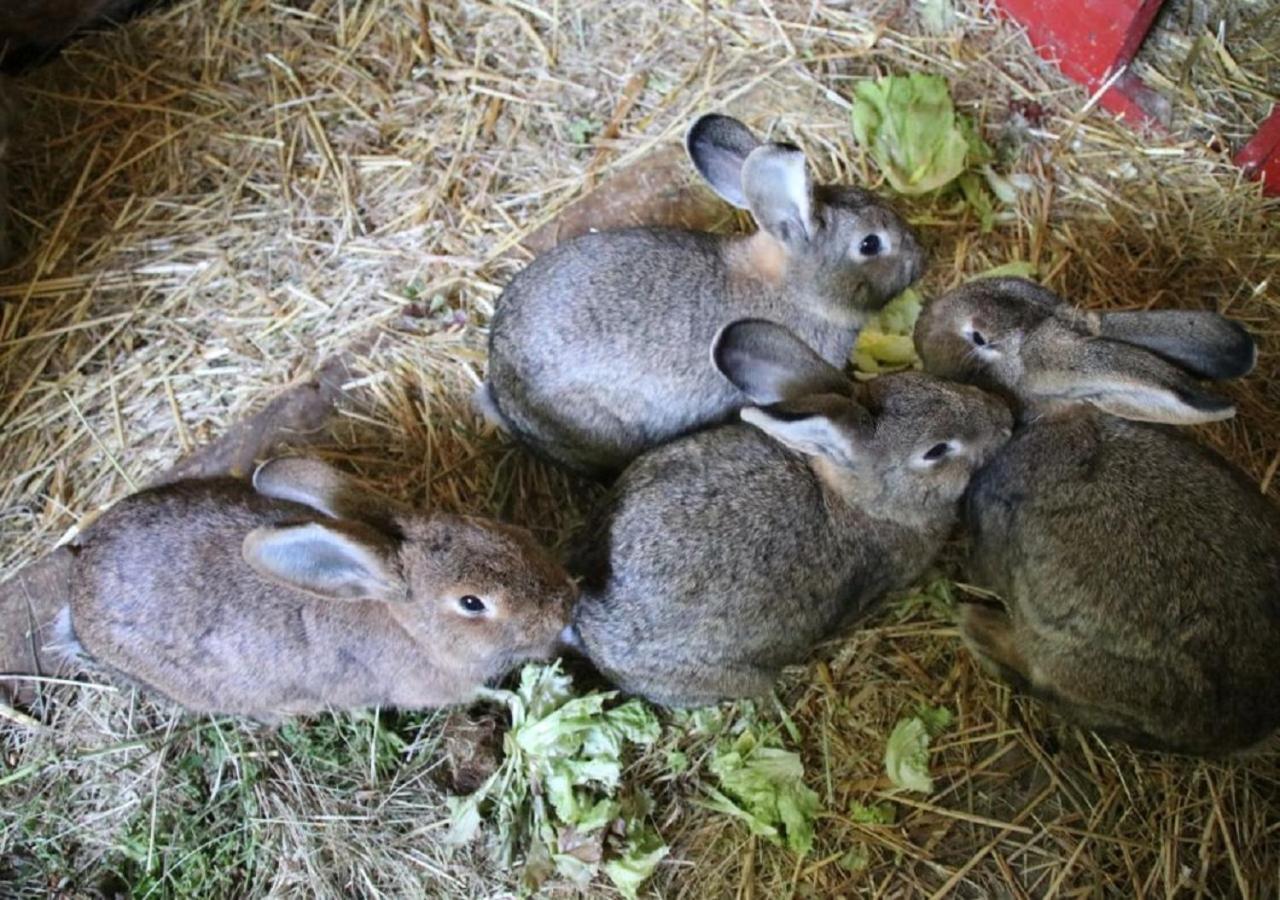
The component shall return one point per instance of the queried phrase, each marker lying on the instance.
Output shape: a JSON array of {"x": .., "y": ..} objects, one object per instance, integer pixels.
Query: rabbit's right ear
[
  {"x": 1127, "y": 382},
  {"x": 1203, "y": 343},
  {"x": 324, "y": 489},
  {"x": 769, "y": 364},
  {"x": 824, "y": 426},
  {"x": 775, "y": 179},
  {"x": 718, "y": 146},
  {"x": 334, "y": 560}
]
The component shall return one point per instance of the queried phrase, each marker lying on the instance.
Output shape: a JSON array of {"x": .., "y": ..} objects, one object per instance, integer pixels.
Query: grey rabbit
[
  {"x": 725, "y": 555},
  {"x": 598, "y": 349},
  {"x": 303, "y": 592},
  {"x": 1139, "y": 570}
]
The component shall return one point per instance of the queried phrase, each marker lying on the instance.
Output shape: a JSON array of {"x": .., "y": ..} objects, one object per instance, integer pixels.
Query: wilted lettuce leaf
[
  {"x": 885, "y": 342},
  {"x": 765, "y": 787},
  {"x": 554, "y": 800},
  {"x": 875, "y": 814},
  {"x": 908, "y": 125},
  {"x": 936, "y": 719},
  {"x": 629, "y": 869},
  {"x": 906, "y": 756}
]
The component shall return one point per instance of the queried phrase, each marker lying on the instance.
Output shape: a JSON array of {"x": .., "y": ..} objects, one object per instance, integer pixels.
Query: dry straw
[{"x": 221, "y": 194}]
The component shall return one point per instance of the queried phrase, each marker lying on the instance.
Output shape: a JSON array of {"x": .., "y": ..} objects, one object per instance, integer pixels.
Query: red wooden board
[
  {"x": 1260, "y": 158},
  {"x": 1090, "y": 40}
]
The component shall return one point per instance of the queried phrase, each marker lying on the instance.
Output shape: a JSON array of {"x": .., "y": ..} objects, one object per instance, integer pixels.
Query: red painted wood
[
  {"x": 1260, "y": 158},
  {"x": 1090, "y": 40}
]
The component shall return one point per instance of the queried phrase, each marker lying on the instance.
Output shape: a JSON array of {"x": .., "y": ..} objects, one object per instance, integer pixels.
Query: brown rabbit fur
[
  {"x": 721, "y": 557},
  {"x": 1140, "y": 571},
  {"x": 598, "y": 349},
  {"x": 307, "y": 593}
]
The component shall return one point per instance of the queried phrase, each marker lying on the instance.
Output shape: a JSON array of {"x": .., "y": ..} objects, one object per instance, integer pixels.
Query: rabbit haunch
[
  {"x": 598, "y": 348},
  {"x": 723, "y": 556},
  {"x": 302, "y": 592},
  {"x": 1139, "y": 570}
]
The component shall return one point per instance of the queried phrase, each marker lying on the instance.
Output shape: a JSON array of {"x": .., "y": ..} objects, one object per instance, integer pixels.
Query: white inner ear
[
  {"x": 814, "y": 435},
  {"x": 1151, "y": 405},
  {"x": 775, "y": 180}
]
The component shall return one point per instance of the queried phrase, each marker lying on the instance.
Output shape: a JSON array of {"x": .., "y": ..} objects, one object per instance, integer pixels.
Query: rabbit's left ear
[
  {"x": 769, "y": 364},
  {"x": 1127, "y": 382},
  {"x": 775, "y": 179},
  {"x": 333, "y": 560},
  {"x": 1204, "y": 344}
]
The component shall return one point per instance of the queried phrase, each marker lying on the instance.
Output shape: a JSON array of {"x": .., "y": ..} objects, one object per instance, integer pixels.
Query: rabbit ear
[
  {"x": 769, "y": 364},
  {"x": 824, "y": 429},
  {"x": 775, "y": 179},
  {"x": 334, "y": 560},
  {"x": 1127, "y": 382},
  {"x": 1203, "y": 343},
  {"x": 324, "y": 489},
  {"x": 718, "y": 146}
]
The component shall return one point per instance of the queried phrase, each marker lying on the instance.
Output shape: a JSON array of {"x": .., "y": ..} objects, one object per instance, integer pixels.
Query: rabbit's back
[
  {"x": 598, "y": 349},
  {"x": 1148, "y": 566},
  {"x": 162, "y": 596},
  {"x": 718, "y": 560}
]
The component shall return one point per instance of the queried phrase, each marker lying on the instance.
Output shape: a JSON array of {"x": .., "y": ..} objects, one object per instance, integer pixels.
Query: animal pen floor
[{"x": 217, "y": 196}]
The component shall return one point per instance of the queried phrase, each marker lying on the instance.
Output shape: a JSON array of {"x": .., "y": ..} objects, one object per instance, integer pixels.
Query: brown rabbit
[
  {"x": 598, "y": 349},
  {"x": 303, "y": 593},
  {"x": 725, "y": 555},
  {"x": 1140, "y": 571}
]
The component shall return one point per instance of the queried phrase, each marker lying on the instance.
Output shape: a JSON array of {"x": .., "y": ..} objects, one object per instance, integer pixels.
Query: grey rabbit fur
[
  {"x": 1139, "y": 570},
  {"x": 725, "y": 555},
  {"x": 598, "y": 349},
  {"x": 303, "y": 592}
]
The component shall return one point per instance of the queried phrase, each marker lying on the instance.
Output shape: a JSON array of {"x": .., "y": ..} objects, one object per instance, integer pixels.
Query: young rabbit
[
  {"x": 1139, "y": 570},
  {"x": 721, "y": 557},
  {"x": 303, "y": 593},
  {"x": 598, "y": 349}
]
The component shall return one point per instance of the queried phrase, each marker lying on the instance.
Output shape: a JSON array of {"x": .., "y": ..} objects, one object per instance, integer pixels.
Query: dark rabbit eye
[
  {"x": 870, "y": 245},
  {"x": 472, "y": 604},
  {"x": 937, "y": 451},
  {"x": 977, "y": 338}
]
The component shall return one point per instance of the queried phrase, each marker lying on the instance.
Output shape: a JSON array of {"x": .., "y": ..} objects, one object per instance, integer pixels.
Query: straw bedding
[{"x": 218, "y": 196}]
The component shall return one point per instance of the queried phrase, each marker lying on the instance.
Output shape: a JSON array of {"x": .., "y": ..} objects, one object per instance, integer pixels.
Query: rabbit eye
[
  {"x": 937, "y": 451},
  {"x": 871, "y": 245},
  {"x": 471, "y": 604},
  {"x": 977, "y": 338}
]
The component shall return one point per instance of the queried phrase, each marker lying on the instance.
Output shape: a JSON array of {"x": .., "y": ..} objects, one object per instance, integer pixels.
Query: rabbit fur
[
  {"x": 723, "y": 556},
  {"x": 1139, "y": 570},
  {"x": 305, "y": 592},
  {"x": 598, "y": 349}
]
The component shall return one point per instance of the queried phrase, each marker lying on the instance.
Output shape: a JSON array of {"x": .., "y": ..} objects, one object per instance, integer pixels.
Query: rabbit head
[
  {"x": 483, "y": 594},
  {"x": 835, "y": 241},
  {"x": 1019, "y": 339},
  {"x": 902, "y": 446}
]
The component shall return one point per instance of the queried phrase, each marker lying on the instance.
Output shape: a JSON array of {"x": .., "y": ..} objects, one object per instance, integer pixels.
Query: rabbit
[
  {"x": 725, "y": 555},
  {"x": 598, "y": 349},
  {"x": 1139, "y": 570},
  {"x": 302, "y": 592}
]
